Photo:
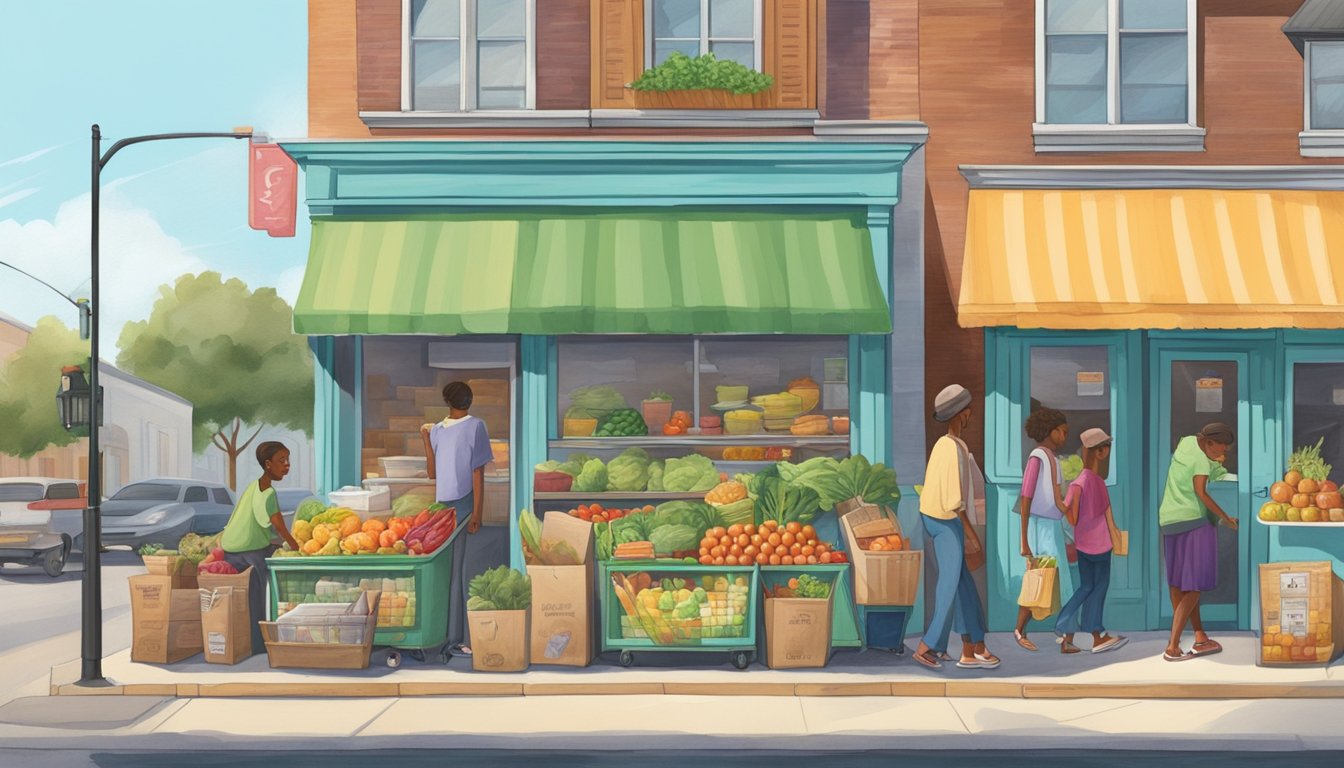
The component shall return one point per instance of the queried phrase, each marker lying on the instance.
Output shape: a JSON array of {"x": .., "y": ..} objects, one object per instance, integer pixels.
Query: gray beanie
[{"x": 952, "y": 400}]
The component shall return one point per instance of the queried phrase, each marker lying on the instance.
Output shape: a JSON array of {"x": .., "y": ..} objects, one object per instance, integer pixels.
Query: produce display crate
[
  {"x": 845, "y": 628},
  {"x": 725, "y": 620},
  {"x": 413, "y": 609}
]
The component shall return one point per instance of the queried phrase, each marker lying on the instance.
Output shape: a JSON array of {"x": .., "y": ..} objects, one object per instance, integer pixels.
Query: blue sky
[{"x": 136, "y": 67}]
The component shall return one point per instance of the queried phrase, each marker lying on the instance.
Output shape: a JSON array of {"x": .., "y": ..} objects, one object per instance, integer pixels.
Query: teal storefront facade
[
  {"x": 1281, "y": 389},
  {"x": 872, "y": 188}
]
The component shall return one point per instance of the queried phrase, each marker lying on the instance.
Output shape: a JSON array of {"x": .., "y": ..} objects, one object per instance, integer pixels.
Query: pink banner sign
[{"x": 273, "y": 187}]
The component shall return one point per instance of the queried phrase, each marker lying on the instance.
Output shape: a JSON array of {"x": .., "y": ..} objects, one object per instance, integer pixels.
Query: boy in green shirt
[{"x": 246, "y": 540}]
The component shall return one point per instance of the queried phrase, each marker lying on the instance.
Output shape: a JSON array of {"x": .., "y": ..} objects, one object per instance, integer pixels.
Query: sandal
[
  {"x": 987, "y": 660},
  {"x": 1023, "y": 640},
  {"x": 945, "y": 656},
  {"x": 929, "y": 659},
  {"x": 1066, "y": 647},
  {"x": 1207, "y": 648},
  {"x": 461, "y": 650},
  {"x": 1185, "y": 656}
]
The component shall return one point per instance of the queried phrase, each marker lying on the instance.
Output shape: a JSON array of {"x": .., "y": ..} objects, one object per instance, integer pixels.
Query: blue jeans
[
  {"x": 955, "y": 587},
  {"x": 1083, "y": 611}
]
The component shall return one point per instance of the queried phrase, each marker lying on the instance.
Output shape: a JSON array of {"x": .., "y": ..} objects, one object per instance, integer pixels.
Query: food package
[{"x": 1301, "y": 613}]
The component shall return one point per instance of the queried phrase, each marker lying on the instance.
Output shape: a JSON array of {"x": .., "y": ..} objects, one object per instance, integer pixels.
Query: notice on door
[
  {"x": 1208, "y": 395},
  {"x": 1091, "y": 383}
]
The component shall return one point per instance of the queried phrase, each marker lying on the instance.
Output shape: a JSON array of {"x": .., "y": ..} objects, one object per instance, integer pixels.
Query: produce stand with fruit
[
  {"x": 1306, "y": 495},
  {"x": 413, "y": 572},
  {"x": 662, "y": 606}
]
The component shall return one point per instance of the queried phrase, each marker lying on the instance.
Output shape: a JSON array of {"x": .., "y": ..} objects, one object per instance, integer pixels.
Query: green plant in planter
[{"x": 683, "y": 73}]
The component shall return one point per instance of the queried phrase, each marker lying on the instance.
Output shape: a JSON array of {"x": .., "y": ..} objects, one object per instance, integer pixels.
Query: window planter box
[{"x": 702, "y": 98}]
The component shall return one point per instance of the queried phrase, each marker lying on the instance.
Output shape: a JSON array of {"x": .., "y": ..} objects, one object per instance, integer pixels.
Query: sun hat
[
  {"x": 1094, "y": 437},
  {"x": 952, "y": 400}
]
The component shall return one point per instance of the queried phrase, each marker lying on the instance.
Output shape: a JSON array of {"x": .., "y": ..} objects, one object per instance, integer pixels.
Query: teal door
[{"x": 1196, "y": 382}]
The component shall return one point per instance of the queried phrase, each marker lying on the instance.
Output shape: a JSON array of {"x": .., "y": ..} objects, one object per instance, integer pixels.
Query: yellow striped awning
[{"x": 1153, "y": 258}]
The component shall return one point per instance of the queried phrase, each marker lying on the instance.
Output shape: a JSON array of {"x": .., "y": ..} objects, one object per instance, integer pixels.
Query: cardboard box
[
  {"x": 499, "y": 640},
  {"x": 165, "y": 622},
  {"x": 283, "y": 655},
  {"x": 561, "y": 616},
  {"x": 217, "y": 580},
  {"x": 1301, "y": 614},
  {"x": 880, "y": 578},
  {"x": 180, "y": 569},
  {"x": 226, "y": 626},
  {"x": 797, "y": 632}
]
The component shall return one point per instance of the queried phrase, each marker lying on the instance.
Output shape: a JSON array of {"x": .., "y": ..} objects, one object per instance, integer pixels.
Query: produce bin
[
  {"x": 413, "y": 610},
  {"x": 844, "y": 616},
  {"x": 724, "y": 619}
]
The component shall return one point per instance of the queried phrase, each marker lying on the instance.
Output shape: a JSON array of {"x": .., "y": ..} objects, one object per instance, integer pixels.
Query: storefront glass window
[
  {"x": 1202, "y": 392},
  {"x": 1077, "y": 381},
  {"x": 1318, "y": 409},
  {"x": 403, "y": 386}
]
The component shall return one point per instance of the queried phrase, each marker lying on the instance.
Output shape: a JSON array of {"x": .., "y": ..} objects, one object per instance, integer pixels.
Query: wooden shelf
[
  {"x": 651, "y": 441},
  {"x": 1287, "y": 524},
  {"x": 618, "y": 495}
]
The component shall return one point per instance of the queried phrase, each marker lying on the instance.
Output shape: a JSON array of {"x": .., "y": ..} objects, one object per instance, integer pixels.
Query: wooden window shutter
[
  {"x": 618, "y": 51},
  {"x": 378, "y": 47},
  {"x": 790, "y": 53}
]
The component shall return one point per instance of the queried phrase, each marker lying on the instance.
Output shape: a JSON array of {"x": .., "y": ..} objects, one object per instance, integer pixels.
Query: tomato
[
  {"x": 811, "y": 559},
  {"x": 787, "y": 539},
  {"x": 775, "y": 560},
  {"x": 751, "y": 550},
  {"x": 718, "y": 561},
  {"x": 672, "y": 428},
  {"x": 599, "y": 519},
  {"x": 743, "y": 540},
  {"x": 808, "y": 550},
  {"x": 762, "y": 559},
  {"x": 794, "y": 527},
  {"x": 749, "y": 529},
  {"x": 824, "y": 557},
  {"x": 756, "y": 539},
  {"x": 708, "y": 542},
  {"x": 735, "y": 530},
  {"x": 775, "y": 540},
  {"x": 767, "y": 548},
  {"x": 809, "y": 532},
  {"x": 595, "y": 507},
  {"x": 735, "y": 551},
  {"x": 706, "y": 560},
  {"x": 839, "y": 557},
  {"x": 719, "y": 532},
  {"x": 730, "y": 560},
  {"x": 718, "y": 551},
  {"x": 799, "y": 560}
]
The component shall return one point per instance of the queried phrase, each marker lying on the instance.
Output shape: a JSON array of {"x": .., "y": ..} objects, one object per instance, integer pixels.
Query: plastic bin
[
  {"x": 371, "y": 501},
  {"x": 415, "y": 590},
  {"x": 725, "y": 619}
]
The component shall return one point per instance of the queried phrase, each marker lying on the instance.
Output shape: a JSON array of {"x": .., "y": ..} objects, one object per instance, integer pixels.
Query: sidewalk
[
  {"x": 1136, "y": 671},
  {"x": 1128, "y": 699}
]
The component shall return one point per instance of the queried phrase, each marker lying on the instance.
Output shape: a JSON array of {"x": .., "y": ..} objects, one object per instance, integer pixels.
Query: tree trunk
[{"x": 228, "y": 443}]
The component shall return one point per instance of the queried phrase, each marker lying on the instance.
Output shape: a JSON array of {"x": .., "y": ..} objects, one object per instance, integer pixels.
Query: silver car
[
  {"x": 33, "y": 513},
  {"x": 163, "y": 510}
]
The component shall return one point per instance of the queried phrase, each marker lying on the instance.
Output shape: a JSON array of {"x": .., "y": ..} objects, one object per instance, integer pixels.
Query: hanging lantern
[{"x": 73, "y": 402}]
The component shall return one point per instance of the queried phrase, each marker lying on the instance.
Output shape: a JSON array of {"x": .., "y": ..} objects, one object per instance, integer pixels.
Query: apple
[
  {"x": 1328, "y": 486},
  {"x": 1329, "y": 500},
  {"x": 1311, "y": 515}
]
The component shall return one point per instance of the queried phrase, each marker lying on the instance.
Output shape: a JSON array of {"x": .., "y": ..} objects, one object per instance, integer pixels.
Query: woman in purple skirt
[{"x": 1189, "y": 518}]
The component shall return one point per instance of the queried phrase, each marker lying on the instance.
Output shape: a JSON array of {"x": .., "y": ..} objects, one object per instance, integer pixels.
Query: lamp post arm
[
  {"x": 115, "y": 148},
  {"x": 53, "y": 288}
]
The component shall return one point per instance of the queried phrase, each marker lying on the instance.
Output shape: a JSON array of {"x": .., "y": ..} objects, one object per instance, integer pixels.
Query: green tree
[
  {"x": 232, "y": 352},
  {"x": 28, "y": 383}
]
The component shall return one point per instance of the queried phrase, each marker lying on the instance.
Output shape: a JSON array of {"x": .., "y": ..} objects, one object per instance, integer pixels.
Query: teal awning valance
[{"x": 649, "y": 272}]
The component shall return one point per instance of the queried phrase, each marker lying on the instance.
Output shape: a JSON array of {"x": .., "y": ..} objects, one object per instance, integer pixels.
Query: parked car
[
  {"x": 289, "y": 500},
  {"x": 28, "y": 506},
  {"x": 163, "y": 510}
]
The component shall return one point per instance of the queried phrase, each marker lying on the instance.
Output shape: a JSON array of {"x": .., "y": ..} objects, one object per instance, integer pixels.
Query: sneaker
[{"x": 1110, "y": 643}]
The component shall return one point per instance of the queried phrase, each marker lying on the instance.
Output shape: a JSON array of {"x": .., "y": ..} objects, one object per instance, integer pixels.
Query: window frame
[
  {"x": 1307, "y": 76},
  {"x": 467, "y": 58},
  {"x": 758, "y": 28},
  {"x": 1113, "y": 74}
]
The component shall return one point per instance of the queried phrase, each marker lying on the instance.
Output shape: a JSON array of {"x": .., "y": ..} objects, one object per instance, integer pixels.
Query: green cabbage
[
  {"x": 310, "y": 508},
  {"x": 409, "y": 505},
  {"x": 655, "y": 476},
  {"x": 674, "y": 538},
  {"x": 593, "y": 478},
  {"x": 629, "y": 471},
  {"x": 571, "y": 467},
  {"x": 690, "y": 473}
]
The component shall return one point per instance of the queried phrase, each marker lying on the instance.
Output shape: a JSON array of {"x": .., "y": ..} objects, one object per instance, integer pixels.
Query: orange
[
  {"x": 794, "y": 527},
  {"x": 373, "y": 526}
]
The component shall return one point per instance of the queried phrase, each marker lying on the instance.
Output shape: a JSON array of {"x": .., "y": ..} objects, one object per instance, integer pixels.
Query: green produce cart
[
  {"x": 652, "y": 605},
  {"x": 845, "y": 631},
  {"x": 413, "y": 610}
]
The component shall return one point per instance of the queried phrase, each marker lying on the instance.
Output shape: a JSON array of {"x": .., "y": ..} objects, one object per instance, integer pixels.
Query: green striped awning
[{"x": 660, "y": 272}]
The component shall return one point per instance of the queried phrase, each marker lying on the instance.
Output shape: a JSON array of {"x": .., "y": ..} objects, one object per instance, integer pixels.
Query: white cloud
[
  {"x": 288, "y": 283},
  {"x": 137, "y": 257},
  {"x": 15, "y": 197},
  {"x": 21, "y": 159}
]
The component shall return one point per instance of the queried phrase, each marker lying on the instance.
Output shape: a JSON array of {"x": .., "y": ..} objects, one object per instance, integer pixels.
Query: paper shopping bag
[{"x": 1040, "y": 592}]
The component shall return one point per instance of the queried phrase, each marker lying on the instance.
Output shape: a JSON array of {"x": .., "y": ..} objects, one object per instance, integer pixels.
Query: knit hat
[
  {"x": 952, "y": 400},
  {"x": 1094, "y": 437}
]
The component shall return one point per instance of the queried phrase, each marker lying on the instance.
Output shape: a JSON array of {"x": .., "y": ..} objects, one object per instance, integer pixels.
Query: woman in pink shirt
[{"x": 1088, "y": 509}]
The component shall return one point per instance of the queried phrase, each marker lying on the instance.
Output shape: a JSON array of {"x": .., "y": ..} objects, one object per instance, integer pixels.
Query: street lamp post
[{"x": 91, "y": 639}]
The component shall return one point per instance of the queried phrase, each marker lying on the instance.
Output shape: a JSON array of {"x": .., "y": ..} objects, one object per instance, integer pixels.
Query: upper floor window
[
  {"x": 1325, "y": 85},
  {"x": 1115, "y": 62},
  {"x": 465, "y": 55},
  {"x": 729, "y": 29}
]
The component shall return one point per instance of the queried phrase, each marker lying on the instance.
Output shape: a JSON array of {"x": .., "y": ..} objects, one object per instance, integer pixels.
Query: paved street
[{"x": 41, "y": 626}]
